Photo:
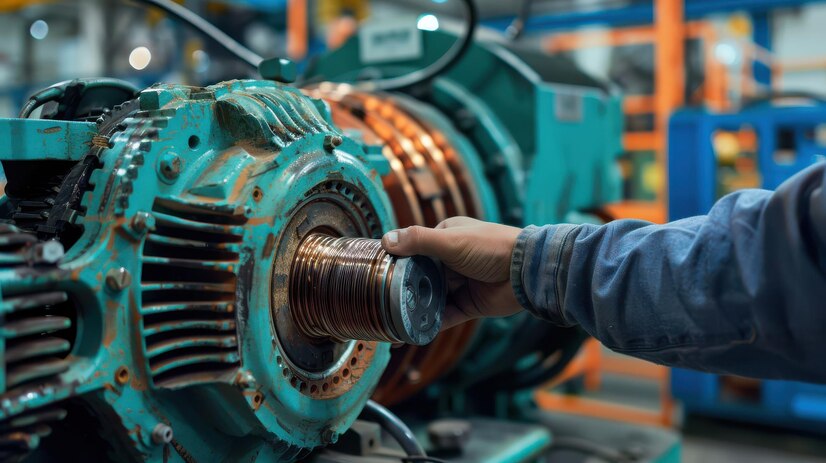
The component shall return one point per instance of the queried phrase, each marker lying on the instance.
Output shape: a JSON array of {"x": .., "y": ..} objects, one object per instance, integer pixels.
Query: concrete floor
[{"x": 708, "y": 440}]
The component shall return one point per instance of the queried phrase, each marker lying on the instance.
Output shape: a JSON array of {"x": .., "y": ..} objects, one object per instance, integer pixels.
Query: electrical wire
[
  {"x": 208, "y": 29},
  {"x": 37, "y": 100},
  {"x": 517, "y": 26},
  {"x": 422, "y": 459},
  {"x": 396, "y": 427},
  {"x": 443, "y": 64}
]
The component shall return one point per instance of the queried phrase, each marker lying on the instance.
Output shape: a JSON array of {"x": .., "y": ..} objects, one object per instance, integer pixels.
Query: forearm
[{"x": 741, "y": 290}]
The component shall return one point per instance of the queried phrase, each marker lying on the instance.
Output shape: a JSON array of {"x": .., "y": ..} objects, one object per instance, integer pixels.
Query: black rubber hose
[
  {"x": 205, "y": 27},
  {"x": 395, "y": 426},
  {"x": 441, "y": 65}
]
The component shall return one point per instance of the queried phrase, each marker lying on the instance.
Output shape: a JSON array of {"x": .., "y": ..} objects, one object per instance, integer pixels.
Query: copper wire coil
[
  {"x": 338, "y": 289},
  {"x": 428, "y": 182}
]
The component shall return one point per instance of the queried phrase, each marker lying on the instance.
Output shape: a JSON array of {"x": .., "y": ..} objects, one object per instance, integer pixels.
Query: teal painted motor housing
[{"x": 165, "y": 317}]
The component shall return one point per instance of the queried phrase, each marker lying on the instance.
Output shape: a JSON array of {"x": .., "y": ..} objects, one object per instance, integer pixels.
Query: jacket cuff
[{"x": 539, "y": 270}]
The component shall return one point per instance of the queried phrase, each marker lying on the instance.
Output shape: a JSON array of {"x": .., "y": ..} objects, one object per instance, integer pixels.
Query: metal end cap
[{"x": 417, "y": 299}]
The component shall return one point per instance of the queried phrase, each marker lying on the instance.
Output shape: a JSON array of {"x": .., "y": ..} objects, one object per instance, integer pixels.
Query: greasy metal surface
[{"x": 350, "y": 288}]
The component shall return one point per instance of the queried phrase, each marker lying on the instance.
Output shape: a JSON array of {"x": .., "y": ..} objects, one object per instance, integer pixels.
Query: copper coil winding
[
  {"x": 338, "y": 289},
  {"x": 428, "y": 183}
]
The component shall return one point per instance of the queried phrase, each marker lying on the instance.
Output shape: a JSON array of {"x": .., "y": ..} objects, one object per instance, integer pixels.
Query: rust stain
[
  {"x": 259, "y": 221},
  {"x": 268, "y": 245},
  {"x": 110, "y": 322},
  {"x": 50, "y": 130}
]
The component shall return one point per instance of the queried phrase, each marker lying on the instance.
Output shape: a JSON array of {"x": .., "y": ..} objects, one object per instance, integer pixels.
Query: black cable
[
  {"x": 37, "y": 100},
  {"x": 422, "y": 459},
  {"x": 395, "y": 426},
  {"x": 444, "y": 63},
  {"x": 517, "y": 26},
  {"x": 205, "y": 27}
]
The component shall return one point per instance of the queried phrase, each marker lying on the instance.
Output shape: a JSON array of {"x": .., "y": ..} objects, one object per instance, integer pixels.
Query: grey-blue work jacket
[{"x": 739, "y": 291}]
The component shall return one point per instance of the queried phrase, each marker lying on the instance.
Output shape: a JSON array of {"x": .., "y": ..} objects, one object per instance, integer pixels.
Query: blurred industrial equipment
[{"x": 154, "y": 290}]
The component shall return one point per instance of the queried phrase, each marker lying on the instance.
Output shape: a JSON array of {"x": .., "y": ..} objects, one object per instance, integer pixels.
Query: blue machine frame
[{"x": 692, "y": 163}]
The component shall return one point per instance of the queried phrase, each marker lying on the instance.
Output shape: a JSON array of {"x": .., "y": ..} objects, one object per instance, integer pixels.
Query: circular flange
[
  {"x": 320, "y": 368},
  {"x": 417, "y": 297}
]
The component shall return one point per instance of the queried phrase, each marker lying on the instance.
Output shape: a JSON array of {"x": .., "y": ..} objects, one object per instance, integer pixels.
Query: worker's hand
[{"x": 477, "y": 257}]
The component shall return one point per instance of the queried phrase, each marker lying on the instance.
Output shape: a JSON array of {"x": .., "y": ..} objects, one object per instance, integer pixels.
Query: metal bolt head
[
  {"x": 118, "y": 279},
  {"x": 162, "y": 434},
  {"x": 329, "y": 436},
  {"x": 48, "y": 252},
  {"x": 141, "y": 222},
  {"x": 331, "y": 142},
  {"x": 170, "y": 166}
]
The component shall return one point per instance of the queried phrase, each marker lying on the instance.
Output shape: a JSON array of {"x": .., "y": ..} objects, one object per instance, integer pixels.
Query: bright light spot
[
  {"x": 140, "y": 58},
  {"x": 726, "y": 54},
  {"x": 200, "y": 60},
  {"x": 39, "y": 29},
  {"x": 428, "y": 22},
  {"x": 439, "y": 1}
]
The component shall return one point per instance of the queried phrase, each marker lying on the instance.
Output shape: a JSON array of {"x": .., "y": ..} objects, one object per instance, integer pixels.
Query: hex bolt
[
  {"x": 331, "y": 142},
  {"x": 118, "y": 279},
  {"x": 329, "y": 436},
  {"x": 162, "y": 434},
  {"x": 49, "y": 252},
  {"x": 170, "y": 167},
  {"x": 140, "y": 222}
]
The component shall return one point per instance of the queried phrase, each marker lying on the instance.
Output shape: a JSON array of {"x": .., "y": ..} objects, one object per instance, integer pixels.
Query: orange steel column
[
  {"x": 669, "y": 76},
  {"x": 297, "y": 36}
]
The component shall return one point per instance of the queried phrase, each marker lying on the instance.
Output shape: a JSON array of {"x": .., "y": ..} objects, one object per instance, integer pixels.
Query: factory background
[{"x": 711, "y": 97}]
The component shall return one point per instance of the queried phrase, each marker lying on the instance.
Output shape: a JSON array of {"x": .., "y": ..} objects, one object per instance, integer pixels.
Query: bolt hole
[
  {"x": 371, "y": 443},
  {"x": 278, "y": 360},
  {"x": 294, "y": 381},
  {"x": 324, "y": 387},
  {"x": 353, "y": 361},
  {"x": 360, "y": 347},
  {"x": 257, "y": 194},
  {"x": 257, "y": 398},
  {"x": 122, "y": 375},
  {"x": 336, "y": 380},
  {"x": 313, "y": 389},
  {"x": 194, "y": 142},
  {"x": 345, "y": 373},
  {"x": 285, "y": 372}
]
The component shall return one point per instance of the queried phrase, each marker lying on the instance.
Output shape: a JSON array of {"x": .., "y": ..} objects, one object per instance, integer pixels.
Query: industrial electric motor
[{"x": 150, "y": 255}]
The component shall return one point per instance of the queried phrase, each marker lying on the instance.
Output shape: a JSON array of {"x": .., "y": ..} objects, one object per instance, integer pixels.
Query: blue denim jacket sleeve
[{"x": 739, "y": 291}]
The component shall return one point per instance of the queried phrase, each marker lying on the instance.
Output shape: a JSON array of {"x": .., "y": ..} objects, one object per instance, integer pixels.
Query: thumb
[{"x": 419, "y": 240}]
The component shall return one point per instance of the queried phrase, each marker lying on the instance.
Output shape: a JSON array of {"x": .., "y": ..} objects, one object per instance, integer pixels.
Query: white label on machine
[{"x": 381, "y": 42}]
